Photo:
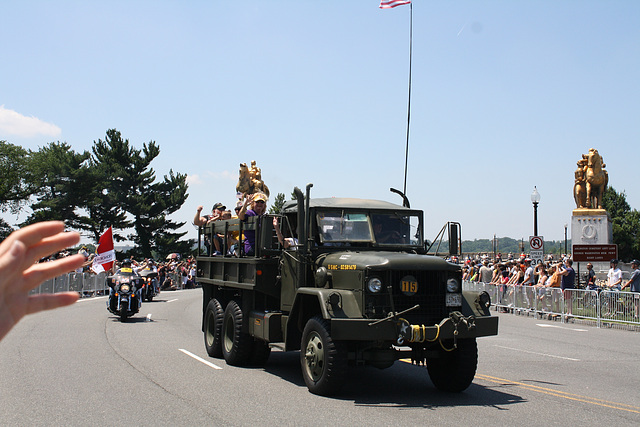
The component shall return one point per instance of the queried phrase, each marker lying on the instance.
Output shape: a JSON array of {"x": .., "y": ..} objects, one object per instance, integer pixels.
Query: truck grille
[{"x": 430, "y": 295}]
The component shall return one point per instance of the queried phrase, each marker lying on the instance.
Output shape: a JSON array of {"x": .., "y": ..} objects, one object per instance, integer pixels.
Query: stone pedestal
[{"x": 590, "y": 227}]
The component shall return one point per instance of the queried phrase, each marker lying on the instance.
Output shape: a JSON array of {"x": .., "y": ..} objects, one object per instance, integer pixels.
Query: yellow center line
[
  {"x": 565, "y": 395},
  {"x": 556, "y": 393}
]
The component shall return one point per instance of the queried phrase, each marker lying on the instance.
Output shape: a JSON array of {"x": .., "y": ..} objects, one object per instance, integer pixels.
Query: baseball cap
[
  {"x": 219, "y": 206},
  {"x": 635, "y": 261},
  {"x": 614, "y": 261},
  {"x": 259, "y": 196}
]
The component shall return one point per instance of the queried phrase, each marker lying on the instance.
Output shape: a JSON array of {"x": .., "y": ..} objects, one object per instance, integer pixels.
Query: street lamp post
[
  {"x": 535, "y": 199},
  {"x": 565, "y": 239}
]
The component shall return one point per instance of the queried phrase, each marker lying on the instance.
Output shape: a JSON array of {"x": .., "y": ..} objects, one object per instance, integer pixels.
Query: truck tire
[
  {"x": 236, "y": 345},
  {"x": 213, "y": 318},
  {"x": 454, "y": 371},
  {"x": 323, "y": 360}
]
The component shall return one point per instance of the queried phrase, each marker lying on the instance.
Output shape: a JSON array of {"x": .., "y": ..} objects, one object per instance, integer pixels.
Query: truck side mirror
[{"x": 454, "y": 233}]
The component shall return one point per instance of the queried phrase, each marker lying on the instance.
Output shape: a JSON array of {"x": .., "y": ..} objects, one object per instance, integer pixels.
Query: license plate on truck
[{"x": 454, "y": 300}]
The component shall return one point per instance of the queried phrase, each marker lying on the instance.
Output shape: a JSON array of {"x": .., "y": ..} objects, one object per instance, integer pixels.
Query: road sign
[
  {"x": 536, "y": 249},
  {"x": 594, "y": 253}
]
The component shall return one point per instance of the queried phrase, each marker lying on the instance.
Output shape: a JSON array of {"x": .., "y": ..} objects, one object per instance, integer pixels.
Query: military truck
[{"x": 357, "y": 288}]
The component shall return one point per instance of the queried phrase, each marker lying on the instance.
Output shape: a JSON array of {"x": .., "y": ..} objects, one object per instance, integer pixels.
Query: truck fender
[{"x": 326, "y": 303}]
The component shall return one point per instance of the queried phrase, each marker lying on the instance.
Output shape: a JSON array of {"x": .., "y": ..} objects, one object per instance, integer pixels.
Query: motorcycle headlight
[
  {"x": 453, "y": 285},
  {"x": 124, "y": 288},
  {"x": 374, "y": 285}
]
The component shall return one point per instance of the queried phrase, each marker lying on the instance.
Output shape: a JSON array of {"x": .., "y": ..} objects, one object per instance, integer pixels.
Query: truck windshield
[{"x": 384, "y": 228}]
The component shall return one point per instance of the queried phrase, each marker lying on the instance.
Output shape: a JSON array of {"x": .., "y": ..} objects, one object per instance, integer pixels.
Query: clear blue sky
[{"x": 506, "y": 95}]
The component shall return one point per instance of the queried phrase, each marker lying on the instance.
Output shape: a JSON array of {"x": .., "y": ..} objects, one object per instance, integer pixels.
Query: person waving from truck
[{"x": 255, "y": 205}]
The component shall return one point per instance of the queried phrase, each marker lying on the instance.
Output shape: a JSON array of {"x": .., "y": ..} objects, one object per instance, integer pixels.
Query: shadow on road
[{"x": 403, "y": 385}]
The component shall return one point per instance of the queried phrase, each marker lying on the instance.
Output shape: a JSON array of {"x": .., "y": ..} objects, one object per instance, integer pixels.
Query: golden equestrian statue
[
  {"x": 250, "y": 180},
  {"x": 590, "y": 181}
]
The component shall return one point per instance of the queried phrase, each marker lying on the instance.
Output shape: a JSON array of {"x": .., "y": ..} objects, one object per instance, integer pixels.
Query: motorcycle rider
[{"x": 126, "y": 267}]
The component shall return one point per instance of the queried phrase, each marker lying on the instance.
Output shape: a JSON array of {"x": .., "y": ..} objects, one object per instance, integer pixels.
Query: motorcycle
[
  {"x": 149, "y": 281},
  {"x": 124, "y": 297}
]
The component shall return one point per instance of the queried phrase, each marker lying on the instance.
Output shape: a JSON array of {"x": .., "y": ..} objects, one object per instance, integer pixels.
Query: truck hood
[{"x": 389, "y": 260}]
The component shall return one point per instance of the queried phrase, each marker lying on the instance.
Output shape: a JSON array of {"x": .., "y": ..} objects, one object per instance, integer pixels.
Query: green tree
[
  {"x": 277, "y": 204},
  {"x": 625, "y": 223},
  {"x": 16, "y": 185},
  {"x": 59, "y": 174},
  {"x": 132, "y": 188},
  {"x": 5, "y": 229}
]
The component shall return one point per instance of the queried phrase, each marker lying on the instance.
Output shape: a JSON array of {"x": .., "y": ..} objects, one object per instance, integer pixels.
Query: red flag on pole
[
  {"x": 106, "y": 255},
  {"x": 389, "y": 4}
]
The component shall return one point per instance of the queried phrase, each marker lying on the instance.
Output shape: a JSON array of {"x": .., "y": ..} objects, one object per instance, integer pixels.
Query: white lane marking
[
  {"x": 172, "y": 300},
  {"x": 542, "y": 325},
  {"x": 92, "y": 298},
  {"x": 199, "y": 359},
  {"x": 539, "y": 354}
]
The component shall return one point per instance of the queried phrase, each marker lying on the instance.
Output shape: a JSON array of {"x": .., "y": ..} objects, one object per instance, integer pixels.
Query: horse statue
[
  {"x": 250, "y": 180},
  {"x": 596, "y": 178}
]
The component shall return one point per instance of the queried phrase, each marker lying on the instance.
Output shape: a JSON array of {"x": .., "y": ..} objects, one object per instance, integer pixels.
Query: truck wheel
[
  {"x": 454, "y": 371},
  {"x": 213, "y": 318},
  {"x": 323, "y": 361},
  {"x": 236, "y": 345},
  {"x": 260, "y": 353}
]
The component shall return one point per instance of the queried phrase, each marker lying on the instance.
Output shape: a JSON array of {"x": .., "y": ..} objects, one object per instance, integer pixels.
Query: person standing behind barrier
[
  {"x": 568, "y": 282},
  {"x": 634, "y": 284},
  {"x": 554, "y": 281},
  {"x": 614, "y": 276},
  {"x": 591, "y": 278},
  {"x": 527, "y": 280},
  {"x": 19, "y": 274},
  {"x": 485, "y": 273}
]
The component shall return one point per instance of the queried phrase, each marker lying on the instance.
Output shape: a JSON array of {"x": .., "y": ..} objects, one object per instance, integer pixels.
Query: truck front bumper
[{"x": 401, "y": 332}]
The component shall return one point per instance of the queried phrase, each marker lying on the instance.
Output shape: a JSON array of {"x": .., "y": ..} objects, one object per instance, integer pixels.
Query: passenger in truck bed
[{"x": 254, "y": 205}]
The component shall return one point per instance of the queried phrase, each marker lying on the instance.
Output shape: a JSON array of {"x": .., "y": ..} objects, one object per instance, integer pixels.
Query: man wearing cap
[
  {"x": 634, "y": 283},
  {"x": 258, "y": 203},
  {"x": 216, "y": 214},
  {"x": 614, "y": 275}
]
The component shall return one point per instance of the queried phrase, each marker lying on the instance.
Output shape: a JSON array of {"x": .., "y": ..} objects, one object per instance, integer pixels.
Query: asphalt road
[{"x": 80, "y": 366}]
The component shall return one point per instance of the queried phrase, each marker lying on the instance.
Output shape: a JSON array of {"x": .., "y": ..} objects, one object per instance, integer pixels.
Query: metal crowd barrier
[
  {"x": 602, "y": 307},
  {"x": 86, "y": 284}
]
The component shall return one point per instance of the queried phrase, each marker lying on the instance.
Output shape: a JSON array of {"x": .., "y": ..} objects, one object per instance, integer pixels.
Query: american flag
[{"x": 388, "y": 4}]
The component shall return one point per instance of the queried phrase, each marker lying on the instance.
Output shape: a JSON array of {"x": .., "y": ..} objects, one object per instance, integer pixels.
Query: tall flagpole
[{"x": 406, "y": 157}]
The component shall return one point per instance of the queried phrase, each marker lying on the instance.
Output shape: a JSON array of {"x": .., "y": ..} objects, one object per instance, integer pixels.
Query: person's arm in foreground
[{"x": 19, "y": 274}]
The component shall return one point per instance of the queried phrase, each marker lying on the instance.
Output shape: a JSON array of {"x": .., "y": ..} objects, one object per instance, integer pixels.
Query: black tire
[
  {"x": 123, "y": 312},
  {"x": 213, "y": 318},
  {"x": 260, "y": 353},
  {"x": 236, "y": 345},
  {"x": 454, "y": 371},
  {"x": 323, "y": 360}
]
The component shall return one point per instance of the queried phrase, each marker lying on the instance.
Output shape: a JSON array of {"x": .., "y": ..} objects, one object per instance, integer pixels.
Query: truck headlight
[
  {"x": 453, "y": 285},
  {"x": 374, "y": 285}
]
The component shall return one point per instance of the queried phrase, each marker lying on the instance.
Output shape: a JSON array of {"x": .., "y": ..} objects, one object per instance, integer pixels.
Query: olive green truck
[{"x": 355, "y": 288}]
